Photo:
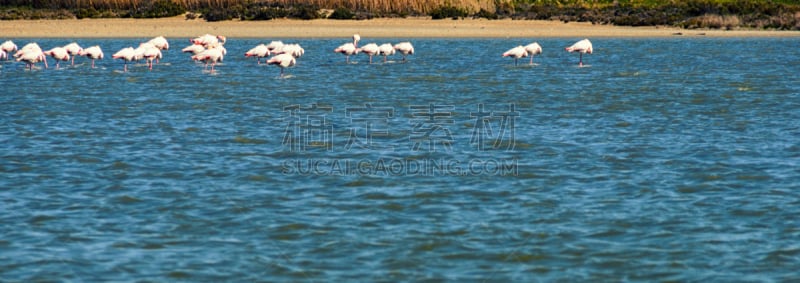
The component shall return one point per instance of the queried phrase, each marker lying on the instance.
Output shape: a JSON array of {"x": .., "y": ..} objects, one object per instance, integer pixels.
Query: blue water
[{"x": 671, "y": 159}]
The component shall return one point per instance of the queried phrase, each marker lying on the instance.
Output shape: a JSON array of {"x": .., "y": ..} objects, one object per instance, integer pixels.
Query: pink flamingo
[
  {"x": 59, "y": 54},
  {"x": 74, "y": 50},
  {"x": 282, "y": 60},
  {"x": 8, "y": 47},
  {"x": 31, "y": 57},
  {"x": 349, "y": 49},
  {"x": 150, "y": 54},
  {"x": 93, "y": 53},
  {"x": 533, "y": 49},
  {"x": 194, "y": 49},
  {"x": 516, "y": 53},
  {"x": 127, "y": 54},
  {"x": 404, "y": 48},
  {"x": 583, "y": 46},
  {"x": 260, "y": 51},
  {"x": 275, "y": 46},
  {"x": 292, "y": 49},
  {"x": 31, "y": 53},
  {"x": 160, "y": 42},
  {"x": 371, "y": 50},
  {"x": 212, "y": 55},
  {"x": 386, "y": 50}
]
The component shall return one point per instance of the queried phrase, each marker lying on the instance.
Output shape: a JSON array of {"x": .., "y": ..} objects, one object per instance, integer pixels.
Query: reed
[{"x": 386, "y": 6}]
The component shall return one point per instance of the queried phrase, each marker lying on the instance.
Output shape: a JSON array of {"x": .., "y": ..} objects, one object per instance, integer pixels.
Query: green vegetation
[{"x": 727, "y": 14}]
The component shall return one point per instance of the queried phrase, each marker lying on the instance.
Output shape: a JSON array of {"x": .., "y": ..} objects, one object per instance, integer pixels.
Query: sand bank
[{"x": 323, "y": 28}]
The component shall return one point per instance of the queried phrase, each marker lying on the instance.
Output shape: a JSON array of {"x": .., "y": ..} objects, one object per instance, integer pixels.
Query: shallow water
[{"x": 662, "y": 159}]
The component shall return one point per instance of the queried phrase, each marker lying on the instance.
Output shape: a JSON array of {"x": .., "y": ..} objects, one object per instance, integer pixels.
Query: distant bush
[
  {"x": 304, "y": 12},
  {"x": 157, "y": 9},
  {"x": 444, "y": 12},
  {"x": 485, "y": 14},
  {"x": 342, "y": 14}
]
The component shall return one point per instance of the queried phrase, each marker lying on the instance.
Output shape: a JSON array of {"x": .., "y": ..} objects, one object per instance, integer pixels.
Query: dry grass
[{"x": 419, "y": 6}]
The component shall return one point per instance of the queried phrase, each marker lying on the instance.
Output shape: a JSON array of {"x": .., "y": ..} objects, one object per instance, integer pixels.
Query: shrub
[
  {"x": 447, "y": 12},
  {"x": 485, "y": 14},
  {"x": 157, "y": 9},
  {"x": 342, "y": 14}
]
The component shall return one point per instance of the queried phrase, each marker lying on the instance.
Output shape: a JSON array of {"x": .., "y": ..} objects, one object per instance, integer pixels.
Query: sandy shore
[{"x": 394, "y": 28}]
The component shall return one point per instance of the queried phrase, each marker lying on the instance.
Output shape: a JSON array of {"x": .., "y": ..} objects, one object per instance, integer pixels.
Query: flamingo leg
[
  {"x": 73, "y": 61},
  {"x": 531, "y": 60},
  {"x": 125, "y": 69},
  {"x": 92, "y": 63},
  {"x": 580, "y": 63}
]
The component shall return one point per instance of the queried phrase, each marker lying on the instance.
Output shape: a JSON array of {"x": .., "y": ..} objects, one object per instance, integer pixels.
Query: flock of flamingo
[
  {"x": 210, "y": 49},
  {"x": 582, "y": 47}
]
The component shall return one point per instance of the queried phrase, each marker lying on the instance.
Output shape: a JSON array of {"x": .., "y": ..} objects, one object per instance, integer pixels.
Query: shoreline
[{"x": 324, "y": 28}]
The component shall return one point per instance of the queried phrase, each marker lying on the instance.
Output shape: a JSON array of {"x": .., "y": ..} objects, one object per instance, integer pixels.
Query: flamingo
[
  {"x": 292, "y": 49},
  {"x": 533, "y": 49},
  {"x": 371, "y": 50},
  {"x": 127, "y": 54},
  {"x": 260, "y": 51},
  {"x": 8, "y": 47},
  {"x": 194, "y": 49},
  {"x": 34, "y": 52},
  {"x": 386, "y": 49},
  {"x": 31, "y": 57},
  {"x": 275, "y": 46},
  {"x": 160, "y": 42},
  {"x": 212, "y": 55},
  {"x": 583, "y": 46},
  {"x": 151, "y": 53},
  {"x": 516, "y": 53},
  {"x": 74, "y": 50},
  {"x": 404, "y": 48},
  {"x": 206, "y": 40},
  {"x": 349, "y": 49},
  {"x": 93, "y": 53},
  {"x": 59, "y": 54},
  {"x": 282, "y": 60}
]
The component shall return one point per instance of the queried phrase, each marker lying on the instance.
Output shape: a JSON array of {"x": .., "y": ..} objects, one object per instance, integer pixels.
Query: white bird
[
  {"x": 194, "y": 49},
  {"x": 275, "y": 46},
  {"x": 27, "y": 48},
  {"x": 282, "y": 60},
  {"x": 386, "y": 50},
  {"x": 59, "y": 54},
  {"x": 93, "y": 53},
  {"x": 404, "y": 48},
  {"x": 349, "y": 49},
  {"x": 160, "y": 42},
  {"x": 260, "y": 51},
  {"x": 151, "y": 53},
  {"x": 211, "y": 55},
  {"x": 371, "y": 50},
  {"x": 207, "y": 40},
  {"x": 583, "y": 46},
  {"x": 31, "y": 57},
  {"x": 533, "y": 49},
  {"x": 73, "y": 49},
  {"x": 127, "y": 54},
  {"x": 8, "y": 47},
  {"x": 292, "y": 49},
  {"x": 31, "y": 53},
  {"x": 516, "y": 53}
]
